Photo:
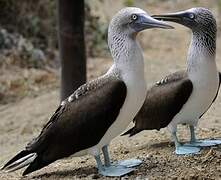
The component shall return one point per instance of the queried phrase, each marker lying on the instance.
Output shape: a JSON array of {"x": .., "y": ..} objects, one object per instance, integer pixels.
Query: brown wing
[
  {"x": 163, "y": 101},
  {"x": 79, "y": 123}
]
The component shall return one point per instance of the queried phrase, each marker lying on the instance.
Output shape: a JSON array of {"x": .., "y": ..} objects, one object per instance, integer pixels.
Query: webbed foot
[
  {"x": 204, "y": 143},
  {"x": 129, "y": 163},
  {"x": 115, "y": 170},
  {"x": 185, "y": 149}
]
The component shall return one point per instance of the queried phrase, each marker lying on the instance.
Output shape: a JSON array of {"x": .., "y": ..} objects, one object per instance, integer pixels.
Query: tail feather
[
  {"x": 18, "y": 156},
  {"x": 38, "y": 163},
  {"x": 127, "y": 132},
  {"x": 21, "y": 160},
  {"x": 131, "y": 132}
]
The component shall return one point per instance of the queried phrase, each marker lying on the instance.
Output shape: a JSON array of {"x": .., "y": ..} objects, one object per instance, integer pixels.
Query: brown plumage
[
  {"x": 163, "y": 101},
  {"x": 79, "y": 123}
]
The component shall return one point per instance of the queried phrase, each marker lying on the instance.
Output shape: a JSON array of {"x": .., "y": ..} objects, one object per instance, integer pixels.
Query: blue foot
[
  {"x": 184, "y": 149},
  {"x": 205, "y": 143},
  {"x": 129, "y": 163},
  {"x": 115, "y": 171}
]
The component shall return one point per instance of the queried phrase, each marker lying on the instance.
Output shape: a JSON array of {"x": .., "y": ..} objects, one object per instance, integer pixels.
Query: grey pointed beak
[
  {"x": 149, "y": 22},
  {"x": 173, "y": 17}
]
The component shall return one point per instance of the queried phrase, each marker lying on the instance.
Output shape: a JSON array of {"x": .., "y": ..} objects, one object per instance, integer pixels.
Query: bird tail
[
  {"x": 131, "y": 132},
  {"x": 22, "y": 159}
]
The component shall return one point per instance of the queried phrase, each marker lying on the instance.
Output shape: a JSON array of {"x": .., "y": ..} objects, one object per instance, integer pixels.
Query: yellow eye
[{"x": 134, "y": 17}]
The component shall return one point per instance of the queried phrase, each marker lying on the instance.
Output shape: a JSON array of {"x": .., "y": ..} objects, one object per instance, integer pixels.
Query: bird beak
[
  {"x": 174, "y": 17},
  {"x": 147, "y": 22}
]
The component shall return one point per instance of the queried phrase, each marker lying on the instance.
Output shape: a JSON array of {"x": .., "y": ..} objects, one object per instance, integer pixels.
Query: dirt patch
[
  {"x": 164, "y": 53},
  {"x": 23, "y": 120}
]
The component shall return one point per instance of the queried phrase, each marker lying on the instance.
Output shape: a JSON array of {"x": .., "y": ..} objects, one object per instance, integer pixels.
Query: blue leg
[
  {"x": 192, "y": 134},
  {"x": 127, "y": 163},
  {"x": 107, "y": 161},
  {"x": 201, "y": 143},
  {"x": 111, "y": 169},
  {"x": 184, "y": 149},
  {"x": 99, "y": 163}
]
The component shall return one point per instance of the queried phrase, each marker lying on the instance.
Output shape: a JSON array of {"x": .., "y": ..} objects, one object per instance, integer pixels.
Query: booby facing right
[
  {"x": 99, "y": 110},
  {"x": 183, "y": 97}
]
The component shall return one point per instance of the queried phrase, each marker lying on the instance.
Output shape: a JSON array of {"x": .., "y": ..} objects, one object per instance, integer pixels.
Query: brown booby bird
[
  {"x": 183, "y": 97},
  {"x": 99, "y": 110}
]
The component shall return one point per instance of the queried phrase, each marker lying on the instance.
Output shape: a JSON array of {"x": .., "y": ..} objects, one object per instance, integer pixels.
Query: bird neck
[
  {"x": 201, "y": 54},
  {"x": 127, "y": 55}
]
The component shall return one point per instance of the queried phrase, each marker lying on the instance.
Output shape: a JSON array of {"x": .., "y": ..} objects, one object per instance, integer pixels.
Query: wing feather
[
  {"x": 163, "y": 101},
  {"x": 80, "y": 122}
]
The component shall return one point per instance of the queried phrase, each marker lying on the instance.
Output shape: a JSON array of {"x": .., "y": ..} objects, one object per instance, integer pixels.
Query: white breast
[
  {"x": 205, "y": 79},
  {"x": 132, "y": 73}
]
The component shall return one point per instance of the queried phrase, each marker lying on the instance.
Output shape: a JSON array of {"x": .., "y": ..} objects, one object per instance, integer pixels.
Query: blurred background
[
  {"x": 29, "y": 60},
  {"x": 30, "y": 76}
]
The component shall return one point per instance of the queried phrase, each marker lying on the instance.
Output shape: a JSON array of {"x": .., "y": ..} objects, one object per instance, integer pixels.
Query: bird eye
[
  {"x": 192, "y": 16},
  {"x": 134, "y": 17}
]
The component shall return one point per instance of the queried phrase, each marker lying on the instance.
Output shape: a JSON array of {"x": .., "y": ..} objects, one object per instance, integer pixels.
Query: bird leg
[
  {"x": 183, "y": 149},
  {"x": 201, "y": 143},
  {"x": 127, "y": 163},
  {"x": 106, "y": 156},
  {"x": 114, "y": 169},
  {"x": 99, "y": 163},
  {"x": 192, "y": 135}
]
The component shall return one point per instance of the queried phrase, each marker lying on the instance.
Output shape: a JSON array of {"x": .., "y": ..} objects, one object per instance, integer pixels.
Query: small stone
[
  {"x": 95, "y": 176},
  {"x": 125, "y": 152},
  {"x": 38, "y": 55}
]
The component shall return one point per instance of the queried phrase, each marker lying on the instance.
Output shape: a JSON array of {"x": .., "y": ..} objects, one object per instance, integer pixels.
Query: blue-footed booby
[
  {"x": 99, "y": 110},
  {"x": 183, "y": 97}
]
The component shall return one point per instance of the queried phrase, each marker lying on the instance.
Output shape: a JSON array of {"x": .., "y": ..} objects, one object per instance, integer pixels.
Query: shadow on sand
[{"x": 63, "y": 174}]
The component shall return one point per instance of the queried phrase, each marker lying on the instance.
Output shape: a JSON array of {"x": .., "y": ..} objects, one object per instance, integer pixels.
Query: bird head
[
  {"x": 132, "y": 20},
  {"x": 197, "y": 19}
]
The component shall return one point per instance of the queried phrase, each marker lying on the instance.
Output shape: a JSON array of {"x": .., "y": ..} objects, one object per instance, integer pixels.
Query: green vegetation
[{"x": 128, "y": 2}]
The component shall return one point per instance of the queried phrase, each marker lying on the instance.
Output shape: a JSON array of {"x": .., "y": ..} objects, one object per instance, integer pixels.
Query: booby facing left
[
  {"x": 99, "y": 110},
  {"x": 183, "y": 97}
]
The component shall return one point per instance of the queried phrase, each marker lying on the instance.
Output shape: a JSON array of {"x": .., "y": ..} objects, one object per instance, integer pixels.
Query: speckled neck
[{"x": 202, "y": 51}]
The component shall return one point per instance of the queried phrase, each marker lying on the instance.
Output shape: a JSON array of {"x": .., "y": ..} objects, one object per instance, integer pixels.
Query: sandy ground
[{"x": 164, "y": 53}]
